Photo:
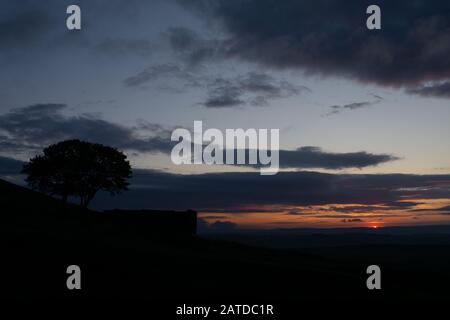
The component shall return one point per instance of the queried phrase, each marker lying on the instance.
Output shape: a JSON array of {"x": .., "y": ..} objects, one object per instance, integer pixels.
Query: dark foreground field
[{"x": 41, "y": 237}]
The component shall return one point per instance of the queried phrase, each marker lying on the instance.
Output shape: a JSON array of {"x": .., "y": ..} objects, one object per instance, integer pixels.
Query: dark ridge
[{"x": 125, "y": 258}]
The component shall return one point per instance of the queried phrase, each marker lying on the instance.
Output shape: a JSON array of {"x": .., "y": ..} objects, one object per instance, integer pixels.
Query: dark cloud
[
  {"x": 445, "y": 209},
  {"x": 224, "y": 94},
  {"x": 23, "y": 27},
  {"x": 376, "y": 210},
  {"x": 154, "y": 189},
  {"x": 164, "y": 72},
  {"x": 441, "y": 90},
  {"x": 218, "y": 226},
  {"x": 36, "y": 126},
  {"x": 376, "y": 96},
  {"x": 368, "y": 209},
  {"x": 352, "y": 220},
  {"x": 329, "y": 37},
  {"x": 315, "y": 157},
  {"x": 40, "y": 27},
  {"x": 250, "y": 192},
  {"x": 10, "y": 145},
  {"x": 240, "y": 210},
  {"x": 192, "y": 48},
  {"x": 253, "y": 88},
  {"x": 215, "y": 217},
  {"x": 336, "y": 109}
]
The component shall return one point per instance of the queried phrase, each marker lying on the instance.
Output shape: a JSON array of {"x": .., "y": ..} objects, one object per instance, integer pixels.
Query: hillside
[{"x": 44, "y": 236}]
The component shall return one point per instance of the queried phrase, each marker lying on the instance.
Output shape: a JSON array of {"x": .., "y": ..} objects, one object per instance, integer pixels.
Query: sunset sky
[{"x": 363, "y": 115}]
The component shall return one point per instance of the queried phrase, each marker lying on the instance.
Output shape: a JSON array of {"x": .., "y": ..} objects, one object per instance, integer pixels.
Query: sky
[{"x": 363, "y": 114}]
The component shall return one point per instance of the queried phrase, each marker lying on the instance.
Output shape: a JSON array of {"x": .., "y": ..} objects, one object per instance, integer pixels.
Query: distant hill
[{"x": 301, "y": 238}]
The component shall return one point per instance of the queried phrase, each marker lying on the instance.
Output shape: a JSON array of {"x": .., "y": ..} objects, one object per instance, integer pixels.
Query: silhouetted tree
[{"x": 78, "y": 168}]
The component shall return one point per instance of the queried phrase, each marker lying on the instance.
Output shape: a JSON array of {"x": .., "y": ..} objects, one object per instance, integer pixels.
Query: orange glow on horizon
[{"x": 375, "y": 216}]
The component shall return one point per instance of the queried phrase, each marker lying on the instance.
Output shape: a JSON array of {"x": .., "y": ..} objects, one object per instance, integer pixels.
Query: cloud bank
[
  {"x": 329, "y": 37},
  {"x": 36, "y": 126}
]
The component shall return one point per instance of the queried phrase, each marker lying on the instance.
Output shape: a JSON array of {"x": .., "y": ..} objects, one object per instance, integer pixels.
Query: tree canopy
[{"x": 78, "y": 168}]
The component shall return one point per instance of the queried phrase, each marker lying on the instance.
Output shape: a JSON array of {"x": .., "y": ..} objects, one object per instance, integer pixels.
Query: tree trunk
[
  {"x": 89, "y": 198},
  {"x": 83, "y": 201}
]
